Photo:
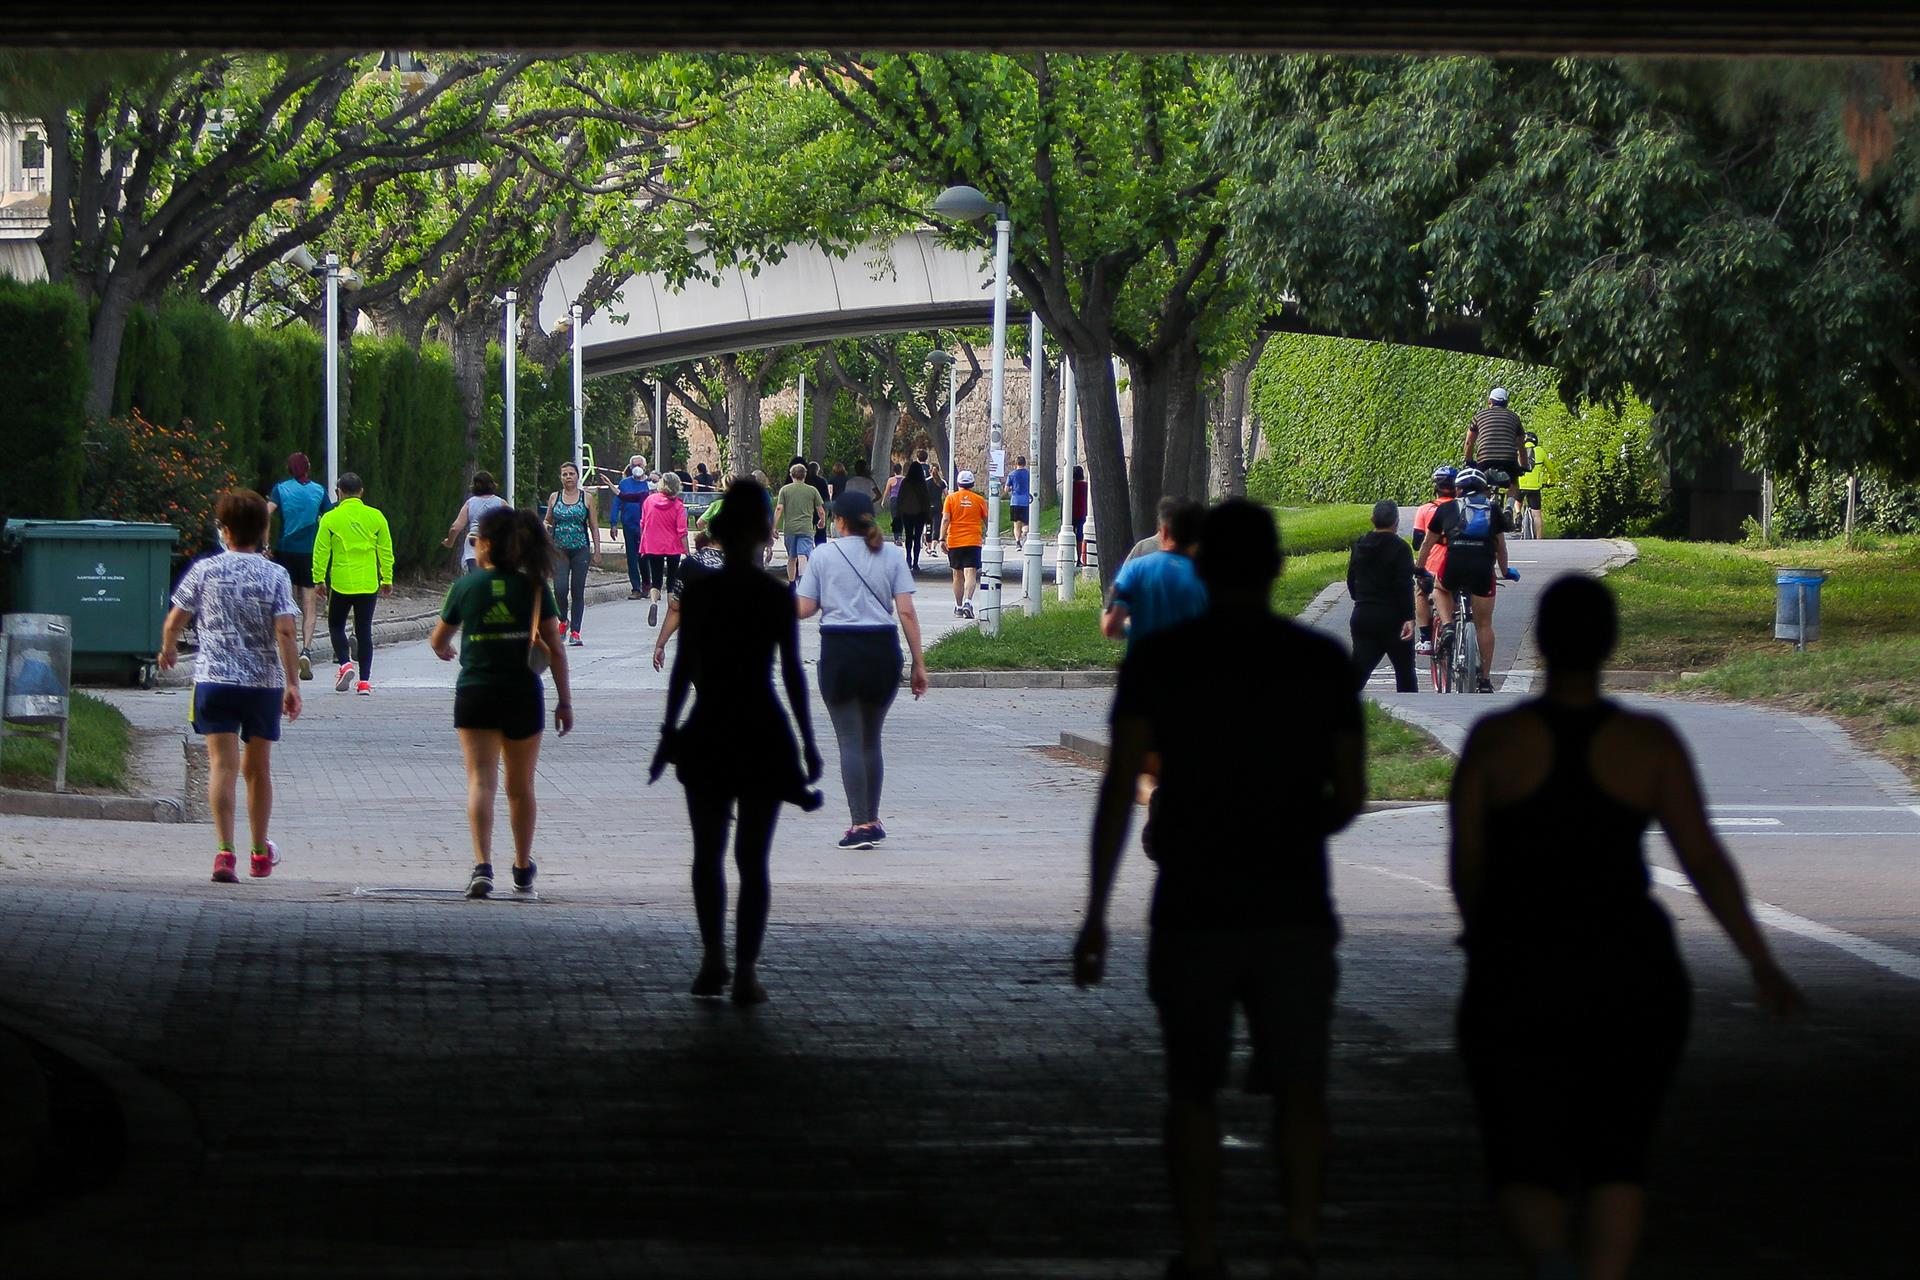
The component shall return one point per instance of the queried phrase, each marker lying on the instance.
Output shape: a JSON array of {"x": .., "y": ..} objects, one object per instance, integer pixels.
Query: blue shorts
[
  {"x": 798, "y": 544},
  {"x": 235, "y": 708}
]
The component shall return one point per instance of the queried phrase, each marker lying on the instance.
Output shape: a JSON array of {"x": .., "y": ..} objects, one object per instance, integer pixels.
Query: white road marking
[
  {"x": 1814, "y": 808},
  {"x": 1874, "y": 953},
  {"x": 1394, "y": 875},
  {"x": 1745, "y": 822}
]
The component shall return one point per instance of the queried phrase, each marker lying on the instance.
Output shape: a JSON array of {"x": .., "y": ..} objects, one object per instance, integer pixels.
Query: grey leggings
[
  {"x": 570, "y": 584},
  {"x": 859, "y": 676}
]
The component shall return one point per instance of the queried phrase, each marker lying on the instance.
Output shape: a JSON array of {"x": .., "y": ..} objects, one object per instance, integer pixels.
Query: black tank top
[{"x": 1565, "y": 866}]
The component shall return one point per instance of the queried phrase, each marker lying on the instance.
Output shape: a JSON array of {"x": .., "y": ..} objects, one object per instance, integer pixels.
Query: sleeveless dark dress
[
  {"x": 737, "y": 740},
  {"x": 1576, "y": 1003}
]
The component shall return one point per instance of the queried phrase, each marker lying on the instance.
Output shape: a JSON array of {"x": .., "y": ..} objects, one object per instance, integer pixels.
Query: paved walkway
[{"x": 326, "y": 1080}]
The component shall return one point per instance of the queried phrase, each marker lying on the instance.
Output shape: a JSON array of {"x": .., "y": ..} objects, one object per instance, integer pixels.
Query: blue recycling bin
[{"x": 1796, "y": 609}]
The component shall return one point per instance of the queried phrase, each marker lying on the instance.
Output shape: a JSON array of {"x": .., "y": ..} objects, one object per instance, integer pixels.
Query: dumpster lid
[{"x": 90, "y": 530}]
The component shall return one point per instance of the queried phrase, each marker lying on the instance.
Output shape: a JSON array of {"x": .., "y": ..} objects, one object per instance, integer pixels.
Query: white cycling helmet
[
  {"x": 1472, "y": 480},
  {"x": 1498, "y": 395}
]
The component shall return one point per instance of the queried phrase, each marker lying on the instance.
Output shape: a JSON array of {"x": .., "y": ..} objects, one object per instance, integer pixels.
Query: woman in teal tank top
[{"x": 576, "y": 538}]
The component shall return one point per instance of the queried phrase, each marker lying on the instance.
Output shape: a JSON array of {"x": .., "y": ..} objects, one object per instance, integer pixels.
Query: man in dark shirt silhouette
[{"x": 1241, "y": 910}]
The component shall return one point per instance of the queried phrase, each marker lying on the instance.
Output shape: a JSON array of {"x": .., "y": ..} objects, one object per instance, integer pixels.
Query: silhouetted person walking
[
  {"x": 1576, "y": 1002},
  {"x": 735, "y": 755},
  {"x": 1380, "y": 580},
  {"x": 1241, "y": 909}
]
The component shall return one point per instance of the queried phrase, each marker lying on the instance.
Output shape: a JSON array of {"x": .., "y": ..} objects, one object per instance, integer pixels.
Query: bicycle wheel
[{"x": 1466, "y": 677}]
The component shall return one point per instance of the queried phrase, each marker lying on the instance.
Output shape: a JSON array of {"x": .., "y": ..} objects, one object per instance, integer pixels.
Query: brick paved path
[{"x": 331, "y": 1083}]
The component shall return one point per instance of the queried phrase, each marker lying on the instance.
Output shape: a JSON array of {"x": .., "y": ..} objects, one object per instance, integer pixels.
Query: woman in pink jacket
[{"x": 663, "y": 538}]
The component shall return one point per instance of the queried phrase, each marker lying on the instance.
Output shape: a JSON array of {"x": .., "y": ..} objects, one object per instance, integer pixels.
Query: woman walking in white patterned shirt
[{"x": 244, "y": 673}]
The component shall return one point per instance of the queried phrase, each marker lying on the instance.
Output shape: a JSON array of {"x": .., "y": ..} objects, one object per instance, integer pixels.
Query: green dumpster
[{"x": 109, "y": 576}]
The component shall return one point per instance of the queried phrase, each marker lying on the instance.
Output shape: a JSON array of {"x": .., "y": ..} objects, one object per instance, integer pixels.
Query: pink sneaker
[
  {"x": 223, "y": 864},
  {"x": 365, "y": 689},
  {"x": 264, "y": 863}
]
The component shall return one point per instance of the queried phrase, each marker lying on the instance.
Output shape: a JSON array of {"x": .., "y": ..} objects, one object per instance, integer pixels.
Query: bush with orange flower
[{"x": 141, "y": 470}]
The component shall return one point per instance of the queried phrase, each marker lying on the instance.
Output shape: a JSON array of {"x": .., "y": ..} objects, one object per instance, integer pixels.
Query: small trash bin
[
  {"x": 1796, "y": 610},
  {"x": 36, "y": 661},
  {"x": 110, "y": 577}
]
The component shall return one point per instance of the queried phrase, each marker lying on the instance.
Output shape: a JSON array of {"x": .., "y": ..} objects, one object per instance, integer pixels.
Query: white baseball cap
[
  {"x": 1498, "y": 395},
  {"x": 966, "y": 479}
]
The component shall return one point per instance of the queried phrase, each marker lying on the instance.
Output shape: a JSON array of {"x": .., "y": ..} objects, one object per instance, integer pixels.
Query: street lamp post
[
  {"x": 1066, "y": 565},
  {"x": 511, "y": 340},
  {"x": 579, "y": 404},
  {"x": 800, "y": 419},
  {"x": 333, "y": 376},
  {"x": 1031, "y": 587},
  {"x": 968, "y": 205}
]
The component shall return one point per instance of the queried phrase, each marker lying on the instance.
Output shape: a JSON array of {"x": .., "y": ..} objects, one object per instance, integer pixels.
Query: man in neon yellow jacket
[{"x": 352, "y": 567}]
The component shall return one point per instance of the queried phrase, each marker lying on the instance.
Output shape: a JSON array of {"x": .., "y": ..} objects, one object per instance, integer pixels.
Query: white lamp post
[
  {"x": 968, "y": 205},
  {"x": 579, "y": 403},
  {"x": 1066, "y": 566},
  {"x": 333, "y": 377},
  {"x": 659, "y": 419},
  {"x": 1031, "y": 585},
  {"x": 800, "y": 419},
  {"x": 511, "y": 340}
]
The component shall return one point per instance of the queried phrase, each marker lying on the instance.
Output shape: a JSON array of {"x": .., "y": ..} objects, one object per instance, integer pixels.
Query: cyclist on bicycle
[
  {"x": 1423, "y": 579},
  {"x": 1493, "y": 439},
  {"x": 1473, "y": 532},
  {"x": 1527, "y": 484}
]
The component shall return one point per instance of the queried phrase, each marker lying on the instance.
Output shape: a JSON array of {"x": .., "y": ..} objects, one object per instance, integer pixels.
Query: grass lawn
[
  {"x": 1708, "y": 609},
  {"x": 97, "y": 750},
  {"x": 1333, "y": 527},
  {"x": 1403, "y": 763}
]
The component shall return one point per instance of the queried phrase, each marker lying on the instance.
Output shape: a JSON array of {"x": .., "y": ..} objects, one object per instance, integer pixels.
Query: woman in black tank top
[{"x": 1576, "y": 1003}]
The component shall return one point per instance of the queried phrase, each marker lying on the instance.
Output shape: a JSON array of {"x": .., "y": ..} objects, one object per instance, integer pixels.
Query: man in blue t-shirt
[
  {"x": 1020, "y": 499},
  {"x": 1159, "y": 590},
  {"x": 301, "y": 502}
]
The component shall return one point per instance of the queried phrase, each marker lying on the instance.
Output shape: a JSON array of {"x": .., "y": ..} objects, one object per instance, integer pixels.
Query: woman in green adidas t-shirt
[{"x": 498, "y": 707}]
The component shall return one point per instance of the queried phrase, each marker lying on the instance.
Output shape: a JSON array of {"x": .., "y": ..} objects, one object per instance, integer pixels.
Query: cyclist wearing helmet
[
  {"x": 1527, "y": 484},
  {"x": 1473, "y": 531},
  {"x": 1422, "y": 525},
  {"x": 1493, "y": 440}
]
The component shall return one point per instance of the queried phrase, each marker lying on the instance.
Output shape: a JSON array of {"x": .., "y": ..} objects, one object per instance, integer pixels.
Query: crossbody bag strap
[{"x": 871, "y": 590}]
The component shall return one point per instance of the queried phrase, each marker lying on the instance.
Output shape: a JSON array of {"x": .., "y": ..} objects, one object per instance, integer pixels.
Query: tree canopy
[{"x": 1705, "y": 242}]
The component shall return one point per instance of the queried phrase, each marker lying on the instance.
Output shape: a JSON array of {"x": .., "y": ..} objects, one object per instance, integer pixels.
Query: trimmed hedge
[
  {"x": 44, "y": 333},
  {"x": 1353, "y": 421},
  {"x": 252, "y": 396}
]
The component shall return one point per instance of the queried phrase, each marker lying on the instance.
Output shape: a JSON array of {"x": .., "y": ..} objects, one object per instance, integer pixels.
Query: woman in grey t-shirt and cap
[{"x": 858, "y": 583}]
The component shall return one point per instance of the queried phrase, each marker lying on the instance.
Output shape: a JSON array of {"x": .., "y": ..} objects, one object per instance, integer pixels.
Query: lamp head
[
  {"x": 965, "y": 204},
  {"x": 939, "y": 359}
]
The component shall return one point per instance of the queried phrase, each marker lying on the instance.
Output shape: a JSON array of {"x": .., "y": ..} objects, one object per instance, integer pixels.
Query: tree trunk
[
  {"x": 1149, "y": 381},
  {"x": 886, "y": 421},
  {"x": 1230, "y": 447},
  {"x": 1184, "y": 470},
  {"x": 1106, "y": 456},
  {"x": 743, "y": 417},
  {"x": 824, "y": 394},
  {"x": 56, "y": 242},
  {"x": 1046, "y": 442},
  {"x": 469, "y": 342},
  {"x": 103, "y": 356}
]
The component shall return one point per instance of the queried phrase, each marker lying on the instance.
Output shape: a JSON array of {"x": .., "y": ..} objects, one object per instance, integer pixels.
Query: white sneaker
[{"x": 1423, "y": 647}]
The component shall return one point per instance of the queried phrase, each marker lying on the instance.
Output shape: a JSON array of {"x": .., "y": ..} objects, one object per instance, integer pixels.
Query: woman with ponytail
[
  {"x": 858, "y": 583},
  {"x": 735, "y": 754},
  {"x": 509, "y": 624}
]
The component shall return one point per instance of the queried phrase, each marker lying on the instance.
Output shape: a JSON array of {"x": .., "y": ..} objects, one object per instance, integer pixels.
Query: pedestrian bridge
[{"x": 881, "y": 286}]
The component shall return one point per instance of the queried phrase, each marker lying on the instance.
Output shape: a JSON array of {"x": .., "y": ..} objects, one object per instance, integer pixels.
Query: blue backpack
[{"x": 1476, "y": 521}]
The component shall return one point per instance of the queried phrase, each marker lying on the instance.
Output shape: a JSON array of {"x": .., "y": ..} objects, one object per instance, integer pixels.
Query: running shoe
[
  {"x": 223, "y": 864},
  {"x": 574, "y": 640},
  {"x": 876, "y": 831},
  {"x": 365, "y": 689},
  {"x": 264, "y": 863},
  {"x": 712, "y": 979},
  {"x": 957, "y": 613},
  {"x": 653, "y": 614},
  {"x": 1484, "y": 686},
  {"x": 306, "y": 665},
  {"x": 480, "y": 884},
  {"x": 1423, "y": 647},
  {"x": 345, "y": 679},
  {"x": 966, "y": 610},
  {"x": 523, "y": 876},
  {"x": 857, "y": 838}
]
